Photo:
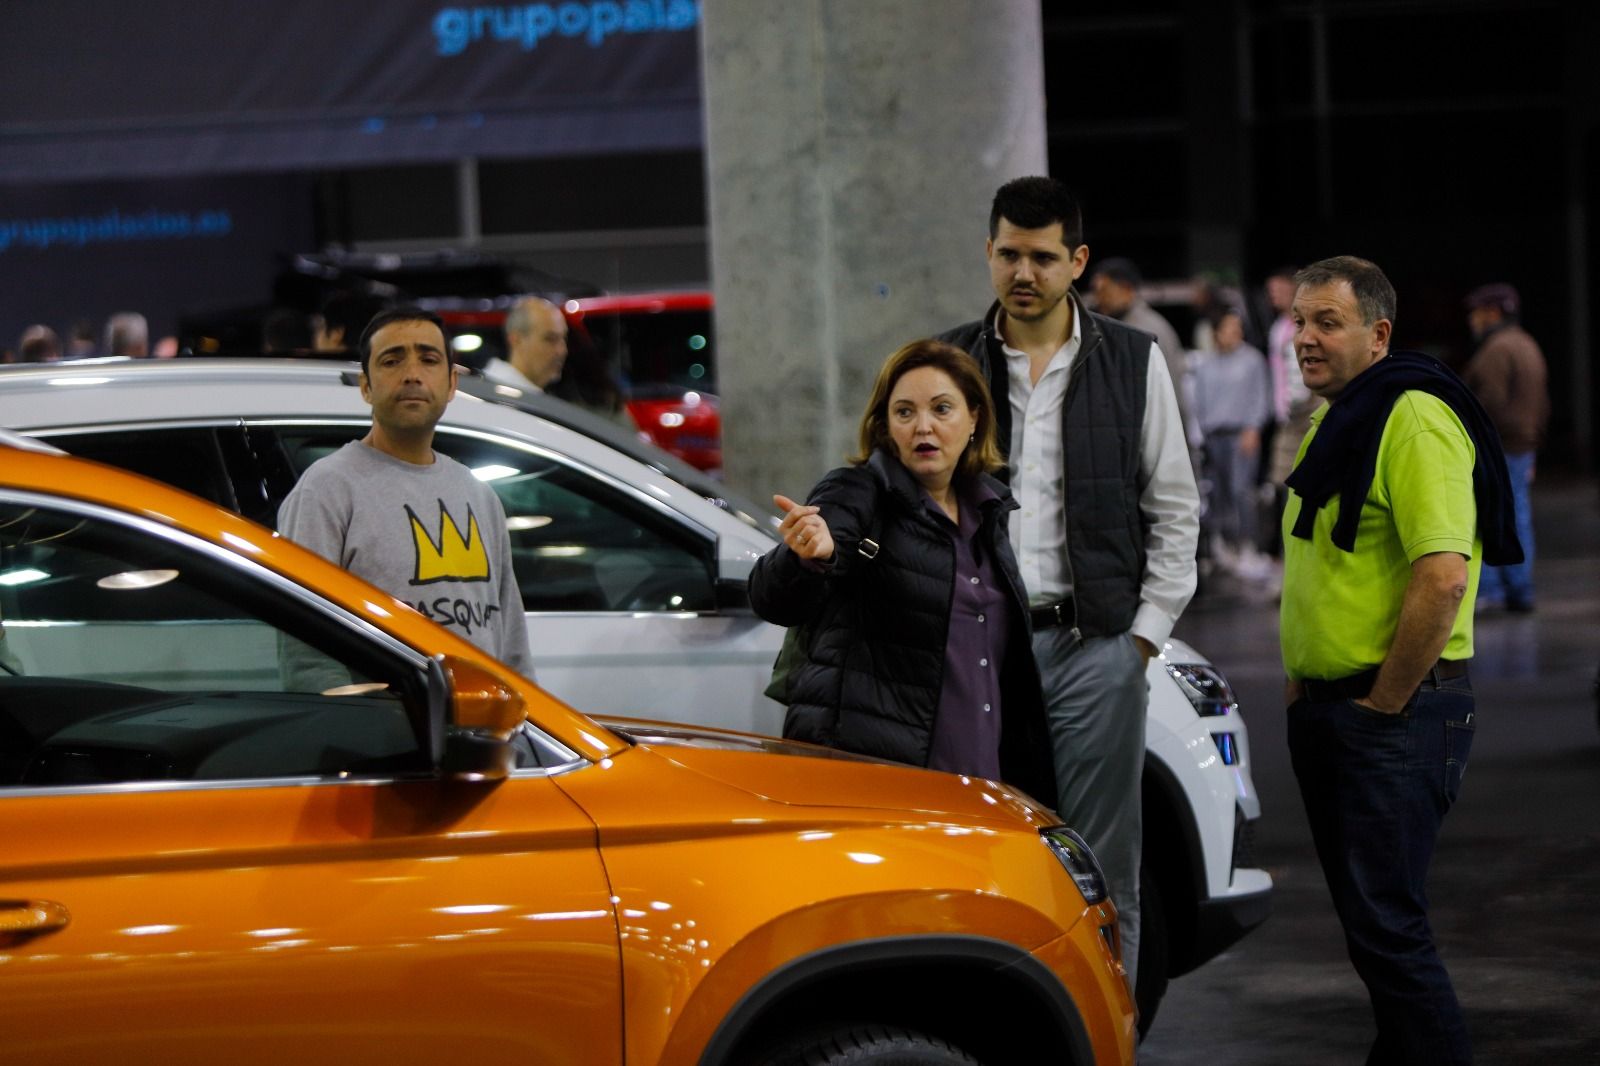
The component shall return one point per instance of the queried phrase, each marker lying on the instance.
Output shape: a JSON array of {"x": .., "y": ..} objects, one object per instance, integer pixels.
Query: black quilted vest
[{"x": 1102, "y": 420}]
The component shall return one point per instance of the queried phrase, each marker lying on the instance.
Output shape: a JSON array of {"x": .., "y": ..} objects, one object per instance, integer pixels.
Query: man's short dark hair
[
  {"x": 1222, "y": 311},
  {"x": 397, "y": 314},
  {"x": 1037, "y": 202},
  {"x": 1120, "y": 270},
  {"x": 1374, "y": 294}
]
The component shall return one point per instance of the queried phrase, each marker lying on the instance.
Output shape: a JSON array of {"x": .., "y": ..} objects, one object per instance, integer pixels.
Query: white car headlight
[{"x": 1205, "y": 687}]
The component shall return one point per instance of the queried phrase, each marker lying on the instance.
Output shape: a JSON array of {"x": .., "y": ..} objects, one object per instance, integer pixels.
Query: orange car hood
[{"x": 790, "y": 772}]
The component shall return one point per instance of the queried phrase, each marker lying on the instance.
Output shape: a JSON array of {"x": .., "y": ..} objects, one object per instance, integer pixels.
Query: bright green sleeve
[{"x": 1425, "y": 477}]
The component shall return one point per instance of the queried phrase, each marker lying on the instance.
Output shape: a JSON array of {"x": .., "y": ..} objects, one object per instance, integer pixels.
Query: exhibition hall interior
[{"x": 500, "y": 505}]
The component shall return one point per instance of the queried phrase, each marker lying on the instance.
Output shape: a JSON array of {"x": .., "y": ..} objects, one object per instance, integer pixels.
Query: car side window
[
  {"x": 128, "y": 654},
  {"x": 189, "y": 458},
  {"x": 577, "y": 543}
]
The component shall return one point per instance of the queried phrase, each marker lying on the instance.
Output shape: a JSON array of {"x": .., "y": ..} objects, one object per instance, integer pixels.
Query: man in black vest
[{"x": 1109, "y": 517}]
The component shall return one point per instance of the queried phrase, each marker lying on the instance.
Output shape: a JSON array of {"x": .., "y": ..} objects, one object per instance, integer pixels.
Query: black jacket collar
[
  {"x": 1090, "y": 329},
  {"x": 900, "y": 483}
]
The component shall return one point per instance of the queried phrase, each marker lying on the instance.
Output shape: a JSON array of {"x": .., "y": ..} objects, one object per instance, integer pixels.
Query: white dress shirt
[{"x": 1168, "y": 499}]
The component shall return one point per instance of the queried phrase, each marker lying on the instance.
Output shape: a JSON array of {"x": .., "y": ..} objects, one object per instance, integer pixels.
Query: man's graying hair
[
  {"x": 126, "y": 332},
  {"x": 519, "y": 319},
  {"x": 1374, "y": 294}
]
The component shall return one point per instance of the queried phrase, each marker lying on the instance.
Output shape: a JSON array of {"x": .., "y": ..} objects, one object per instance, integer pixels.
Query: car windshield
[{"x": 610, "y": 434}]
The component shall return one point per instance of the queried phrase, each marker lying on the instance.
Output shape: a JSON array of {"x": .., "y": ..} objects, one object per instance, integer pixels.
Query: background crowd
[
  {"x": 1246, "y": 410},
  {"x": 1240, "y": 396}
]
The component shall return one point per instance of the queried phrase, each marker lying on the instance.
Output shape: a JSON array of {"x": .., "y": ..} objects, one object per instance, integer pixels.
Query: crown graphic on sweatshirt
[{"x": 452, "y": 556}]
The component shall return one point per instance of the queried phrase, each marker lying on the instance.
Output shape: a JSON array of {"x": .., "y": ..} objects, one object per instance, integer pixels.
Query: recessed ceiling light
[{"x": 136, "y": 579}]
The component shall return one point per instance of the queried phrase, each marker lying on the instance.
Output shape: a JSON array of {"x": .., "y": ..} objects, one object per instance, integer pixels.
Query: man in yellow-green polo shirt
[{"x": 1393, "y": 493}]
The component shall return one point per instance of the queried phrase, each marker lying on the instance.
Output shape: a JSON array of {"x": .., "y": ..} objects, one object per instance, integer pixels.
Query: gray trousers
[{"x": 1096, "y": 699}]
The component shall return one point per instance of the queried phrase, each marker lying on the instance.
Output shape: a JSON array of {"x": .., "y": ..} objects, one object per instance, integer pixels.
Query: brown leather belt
[{"x": 1356, "y": 686}]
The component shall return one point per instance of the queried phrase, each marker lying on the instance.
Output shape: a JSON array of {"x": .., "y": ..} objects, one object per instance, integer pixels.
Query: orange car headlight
[{"x": 1078, "y": 861}]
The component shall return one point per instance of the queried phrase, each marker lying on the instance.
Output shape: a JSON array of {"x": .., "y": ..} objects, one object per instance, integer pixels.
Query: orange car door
[
  {"x": 207, "y": 858},
  {"x": 332, "y": 922}
]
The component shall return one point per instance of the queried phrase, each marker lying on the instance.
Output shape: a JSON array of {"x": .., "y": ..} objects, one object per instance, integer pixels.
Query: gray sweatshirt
[{"x": 433, "y": 536}]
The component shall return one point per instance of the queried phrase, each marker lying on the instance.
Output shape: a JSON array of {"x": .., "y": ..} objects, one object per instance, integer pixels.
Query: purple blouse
[{"x": 966, "y": 732}]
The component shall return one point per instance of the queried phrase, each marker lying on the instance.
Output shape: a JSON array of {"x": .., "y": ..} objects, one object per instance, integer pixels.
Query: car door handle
[{"x": 24, "y": 918}]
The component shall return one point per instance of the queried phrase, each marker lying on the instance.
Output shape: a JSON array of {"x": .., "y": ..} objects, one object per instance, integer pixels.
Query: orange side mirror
[{"x": 480, "y": 701}]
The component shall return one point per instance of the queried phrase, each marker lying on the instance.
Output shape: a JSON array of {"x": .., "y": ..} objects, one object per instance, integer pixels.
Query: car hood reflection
[{"x": 793, "y": 776}]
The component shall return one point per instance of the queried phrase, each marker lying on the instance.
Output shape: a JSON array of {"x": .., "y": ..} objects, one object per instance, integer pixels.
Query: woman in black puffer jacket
[{"x": 915, "y": 641}]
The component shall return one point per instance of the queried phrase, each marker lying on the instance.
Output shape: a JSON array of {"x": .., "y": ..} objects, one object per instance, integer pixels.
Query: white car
[{"x": 633, "y": 568}]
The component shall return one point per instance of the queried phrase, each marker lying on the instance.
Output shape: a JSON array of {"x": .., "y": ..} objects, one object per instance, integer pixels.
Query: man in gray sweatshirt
[{"x": 392, "y": 511}]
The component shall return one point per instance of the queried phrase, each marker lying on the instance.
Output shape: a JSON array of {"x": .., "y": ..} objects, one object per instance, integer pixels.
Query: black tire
[
  {"x": 869, "y": 1045},
  {"x": 1154, "y": 959}
]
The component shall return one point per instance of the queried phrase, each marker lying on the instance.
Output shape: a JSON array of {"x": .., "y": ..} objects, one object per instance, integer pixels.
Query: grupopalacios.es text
[{"x": 112, "y": 226}]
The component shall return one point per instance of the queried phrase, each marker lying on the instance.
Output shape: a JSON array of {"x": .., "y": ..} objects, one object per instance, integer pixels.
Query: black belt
[
  {"x": 1053, "y": 614},
  {"x": 1357, "y": 686}
]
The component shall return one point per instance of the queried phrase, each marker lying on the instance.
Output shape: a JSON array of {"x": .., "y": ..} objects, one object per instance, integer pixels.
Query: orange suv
[{"x": 255, "y": 810}]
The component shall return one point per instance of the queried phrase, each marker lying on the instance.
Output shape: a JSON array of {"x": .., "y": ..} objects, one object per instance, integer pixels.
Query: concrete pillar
[{"x": 852, "y": 150}]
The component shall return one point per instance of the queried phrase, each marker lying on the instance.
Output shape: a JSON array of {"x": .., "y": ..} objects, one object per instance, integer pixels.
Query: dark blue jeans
[
  {"x": 1512, "y": 586},
  {"x": 1376, "y": 788}
]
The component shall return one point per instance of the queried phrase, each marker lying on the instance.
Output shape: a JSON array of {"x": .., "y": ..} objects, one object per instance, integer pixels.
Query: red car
[{"x": 659, "y": 345}]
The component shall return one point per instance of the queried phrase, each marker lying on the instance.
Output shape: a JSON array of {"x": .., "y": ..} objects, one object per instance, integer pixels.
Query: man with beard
[
  {"x": 1086, "y": 413},
  {"x": 394, "y": 512}
]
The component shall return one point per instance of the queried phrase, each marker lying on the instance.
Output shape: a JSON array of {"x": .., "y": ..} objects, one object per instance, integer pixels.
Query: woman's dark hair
[
  {"x": 586, "y": 377},
  {"x": 982, "y": 456}
]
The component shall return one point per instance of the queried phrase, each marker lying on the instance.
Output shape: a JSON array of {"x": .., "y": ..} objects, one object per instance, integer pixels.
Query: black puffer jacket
[{"x": 874, "y": 667}]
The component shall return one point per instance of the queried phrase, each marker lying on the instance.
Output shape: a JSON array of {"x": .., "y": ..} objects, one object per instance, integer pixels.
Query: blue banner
[{"x": 90, "y": 90}]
